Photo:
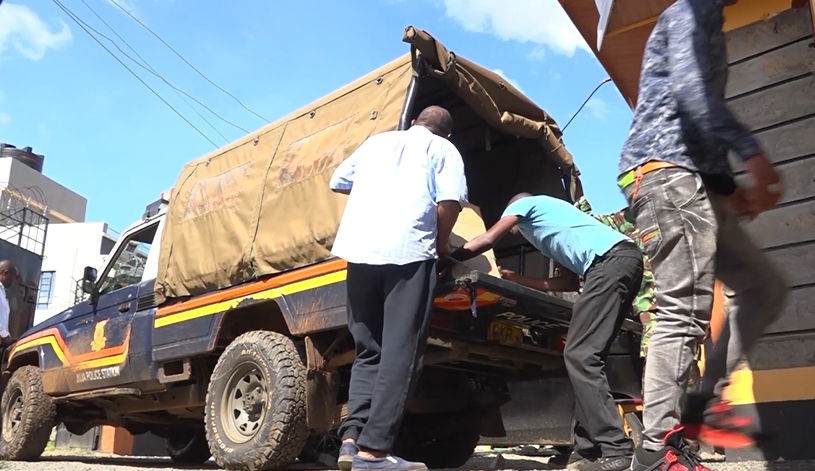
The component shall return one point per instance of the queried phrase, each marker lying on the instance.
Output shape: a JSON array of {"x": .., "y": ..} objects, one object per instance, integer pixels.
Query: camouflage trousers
[{"x": 649, "y": 320}]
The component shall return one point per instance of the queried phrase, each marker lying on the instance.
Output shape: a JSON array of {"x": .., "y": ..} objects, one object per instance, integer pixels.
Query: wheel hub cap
[
  {"x": 13, "y": 415},
  {"x": 243, "y": 405}
]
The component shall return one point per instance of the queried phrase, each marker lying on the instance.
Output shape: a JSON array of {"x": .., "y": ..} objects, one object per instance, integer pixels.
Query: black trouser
[
  {"x": 388, "y": 315},
  {"x": 609, "y": 288}
]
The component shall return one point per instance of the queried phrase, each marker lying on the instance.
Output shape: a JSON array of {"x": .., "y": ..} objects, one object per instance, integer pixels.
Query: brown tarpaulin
[
  {"x": 261, "y": 205},
  {"x": 496, "y": 101}
]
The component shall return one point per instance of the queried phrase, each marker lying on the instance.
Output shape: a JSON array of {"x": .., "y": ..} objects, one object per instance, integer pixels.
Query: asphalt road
[{"x": 61, "y": 461}]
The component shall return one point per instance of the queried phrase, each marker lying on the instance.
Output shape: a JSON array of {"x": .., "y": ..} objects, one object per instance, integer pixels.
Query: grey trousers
[{"x": 692, "y": 238}]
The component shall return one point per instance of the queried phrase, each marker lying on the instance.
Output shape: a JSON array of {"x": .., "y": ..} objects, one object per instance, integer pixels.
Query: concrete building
[
  {"x": 21, "y": 178},
  {"x": 66, "y": 243},
  {"x": 69, "y": 248}
]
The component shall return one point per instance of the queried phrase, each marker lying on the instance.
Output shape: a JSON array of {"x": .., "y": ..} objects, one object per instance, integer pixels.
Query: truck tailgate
[{"x": 489, "y": 299}]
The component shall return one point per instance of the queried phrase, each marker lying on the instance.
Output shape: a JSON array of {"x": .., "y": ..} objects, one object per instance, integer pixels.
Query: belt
[{"x": 635, "y": 176}]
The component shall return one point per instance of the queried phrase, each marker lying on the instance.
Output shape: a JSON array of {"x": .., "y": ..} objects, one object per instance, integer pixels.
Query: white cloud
[
  {"x": 513, "y": 82},
  {"x": 537, "y": 54},
  {"x": 541, "y": 22},
  {"x": 4, "y": 118},
  {"x": 599, "y": 108},
  {"x": 23, "y": 30}
]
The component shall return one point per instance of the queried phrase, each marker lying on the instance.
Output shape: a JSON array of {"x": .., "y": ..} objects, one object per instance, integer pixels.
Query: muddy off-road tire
[
  {"x": 189, "y": 447},
  {"x": 441, "y": 441},
  {"x": 28, "y": 416},
  {"x": 256, "y": 403}
]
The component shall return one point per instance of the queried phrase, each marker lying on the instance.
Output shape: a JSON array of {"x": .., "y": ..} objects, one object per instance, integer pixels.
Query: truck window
[{"x": 128, "y": 265}]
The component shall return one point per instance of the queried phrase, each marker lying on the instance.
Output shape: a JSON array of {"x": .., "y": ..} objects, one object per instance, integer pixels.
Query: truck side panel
[
  {"x": 311, "y": 299},
  {"x": 75, "y": 364}
]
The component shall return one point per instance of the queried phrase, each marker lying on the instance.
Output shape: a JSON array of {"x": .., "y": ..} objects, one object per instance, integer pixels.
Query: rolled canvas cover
[{"x": 262, "y": 205}]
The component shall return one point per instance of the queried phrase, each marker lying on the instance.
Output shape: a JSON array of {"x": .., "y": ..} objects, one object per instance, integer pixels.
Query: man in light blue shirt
[
  {"x": 611, "y": 267},
  {"x": 406, "y": 189}
]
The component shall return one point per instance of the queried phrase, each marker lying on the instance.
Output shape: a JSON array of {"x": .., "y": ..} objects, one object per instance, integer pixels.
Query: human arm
[
  {"x": 688, "y": 44},
  {"x": 487, "y": 240},
  {"x": 450, "y": 186},
  {"x": 5, "y": 335},
  {"x": 448, "y": 212},
  {"x": 342, "y": 181},
  {"x": 566, "y": 282},
  {"x": 689, "y": 34}
]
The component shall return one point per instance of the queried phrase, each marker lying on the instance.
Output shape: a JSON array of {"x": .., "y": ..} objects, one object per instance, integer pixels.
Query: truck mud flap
[{"x": 541, "y": 412}]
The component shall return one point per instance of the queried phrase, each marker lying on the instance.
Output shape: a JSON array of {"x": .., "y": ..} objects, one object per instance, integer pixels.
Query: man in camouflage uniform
[{"x": 645, "y": 304}]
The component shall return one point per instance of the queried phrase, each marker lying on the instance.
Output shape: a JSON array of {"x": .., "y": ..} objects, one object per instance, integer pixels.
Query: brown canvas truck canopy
[{"x": 262, "y": 205}]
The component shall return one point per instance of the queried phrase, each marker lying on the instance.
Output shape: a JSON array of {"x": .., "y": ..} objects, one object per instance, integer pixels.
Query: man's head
[
  {"x": 436, "y": 119},
  {"x": 520, "y": 195},
  {"x": 8, "y": 273}
]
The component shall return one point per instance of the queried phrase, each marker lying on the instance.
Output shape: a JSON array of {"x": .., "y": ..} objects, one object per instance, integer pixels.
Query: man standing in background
[
  {"x": 406, "y": 189},
  {"x": 8, "y": 275},
  {"x": 675, "y": 174}
]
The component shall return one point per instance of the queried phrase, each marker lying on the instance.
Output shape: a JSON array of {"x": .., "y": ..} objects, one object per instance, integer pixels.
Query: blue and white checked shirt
[{"x": 398, "y": 178}]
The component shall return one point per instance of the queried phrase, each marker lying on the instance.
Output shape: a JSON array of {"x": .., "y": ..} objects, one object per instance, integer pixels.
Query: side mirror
[{"x": 89, "y": 280}]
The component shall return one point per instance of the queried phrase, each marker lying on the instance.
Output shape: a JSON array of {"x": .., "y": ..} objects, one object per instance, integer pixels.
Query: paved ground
[{"x": 61, "y": 461}]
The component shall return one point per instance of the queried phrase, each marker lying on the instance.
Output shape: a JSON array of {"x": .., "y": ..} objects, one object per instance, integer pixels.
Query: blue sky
[{"x": 107, "y": 137}]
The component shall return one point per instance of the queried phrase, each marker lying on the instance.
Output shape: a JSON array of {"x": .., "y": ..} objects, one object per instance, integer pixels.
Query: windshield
[{"x": 128, "y": 266}]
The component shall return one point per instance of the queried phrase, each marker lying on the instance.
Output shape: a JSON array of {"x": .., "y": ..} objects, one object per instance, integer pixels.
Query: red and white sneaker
[
  {"x": 717, "y": 423},
  {"x": 674, "y": 456}
]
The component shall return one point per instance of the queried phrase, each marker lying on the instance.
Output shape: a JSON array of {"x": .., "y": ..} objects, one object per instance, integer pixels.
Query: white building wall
[{"x": 69, "y": 248}]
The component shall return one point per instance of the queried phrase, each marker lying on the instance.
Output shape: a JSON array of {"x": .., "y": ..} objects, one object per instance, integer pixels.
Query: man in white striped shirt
[{"x": 406, "y": 189}]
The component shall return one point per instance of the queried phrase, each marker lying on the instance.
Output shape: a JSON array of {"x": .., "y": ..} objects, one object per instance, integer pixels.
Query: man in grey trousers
[{"x": 675, "y": 174}]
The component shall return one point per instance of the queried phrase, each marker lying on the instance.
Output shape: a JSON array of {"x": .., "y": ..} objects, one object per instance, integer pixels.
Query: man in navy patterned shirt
[{"x": 676, "y": 176}]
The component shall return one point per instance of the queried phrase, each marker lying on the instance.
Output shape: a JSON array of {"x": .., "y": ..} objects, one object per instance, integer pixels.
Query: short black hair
[
  {"x": 520, "y": 195},
  {"x": 436, "y": 119}
]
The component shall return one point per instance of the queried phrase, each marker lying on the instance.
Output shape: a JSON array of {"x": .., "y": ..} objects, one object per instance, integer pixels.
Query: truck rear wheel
[
  {"x": 256, "y": 403},
  {"x": 28, "y": 416},
  {"x": 440, "y": 441},
  {"x": 188, "y": 446}
]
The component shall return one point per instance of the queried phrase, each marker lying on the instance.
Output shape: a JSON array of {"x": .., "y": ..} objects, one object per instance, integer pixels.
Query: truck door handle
[{"x": 124, "y": 307}]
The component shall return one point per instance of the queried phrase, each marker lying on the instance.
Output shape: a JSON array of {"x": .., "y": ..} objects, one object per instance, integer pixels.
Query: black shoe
[
  {"x": 674, "y": 456},
  {"x": 610, "y": 463}
]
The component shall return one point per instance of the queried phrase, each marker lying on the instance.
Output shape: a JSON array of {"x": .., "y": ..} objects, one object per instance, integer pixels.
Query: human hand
[
  {"x": 740, "y": 203},
  {"x": 766, "y": 190},
  {"x": 508, "y": 275},
  {"x": 6, "y": 341},
  {"x": 443, "y": 267}
]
